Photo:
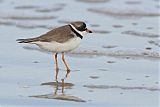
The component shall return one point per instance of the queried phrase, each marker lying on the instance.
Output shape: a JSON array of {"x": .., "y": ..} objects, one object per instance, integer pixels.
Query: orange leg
[
  {"x": 57, "y": 69},
  {"x": 68, "y": 70}
]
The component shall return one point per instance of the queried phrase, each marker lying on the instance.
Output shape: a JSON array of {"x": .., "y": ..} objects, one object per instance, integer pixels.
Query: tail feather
[{"x": 26, "y": 40}]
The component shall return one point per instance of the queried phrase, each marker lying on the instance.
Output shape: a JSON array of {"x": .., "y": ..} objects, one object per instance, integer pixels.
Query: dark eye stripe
[{"x": 82, "y": 27}]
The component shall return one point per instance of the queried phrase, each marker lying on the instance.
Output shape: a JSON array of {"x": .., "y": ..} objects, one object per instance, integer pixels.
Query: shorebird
[{"x": 60, "y": 40}]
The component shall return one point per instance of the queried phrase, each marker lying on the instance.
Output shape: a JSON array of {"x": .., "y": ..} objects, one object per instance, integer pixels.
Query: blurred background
[{"x": 116, "y": 65}]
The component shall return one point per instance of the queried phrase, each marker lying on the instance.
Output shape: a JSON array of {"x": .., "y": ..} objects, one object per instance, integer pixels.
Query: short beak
[{"x": 89, "y": 31}]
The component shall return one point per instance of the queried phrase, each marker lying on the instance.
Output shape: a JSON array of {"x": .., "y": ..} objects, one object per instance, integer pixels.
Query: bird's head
[{"x": 80, "y": 27}]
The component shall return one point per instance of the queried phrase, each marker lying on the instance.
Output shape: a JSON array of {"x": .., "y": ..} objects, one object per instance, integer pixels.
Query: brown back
[{"x": 60, "y": 34}]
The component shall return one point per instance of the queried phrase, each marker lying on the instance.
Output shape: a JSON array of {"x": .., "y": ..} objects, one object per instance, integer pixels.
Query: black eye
[{"x": 83, "y": 27}]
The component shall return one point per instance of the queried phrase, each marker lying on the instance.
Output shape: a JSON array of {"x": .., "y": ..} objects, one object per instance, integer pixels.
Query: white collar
[{"x": 80, "y": 32}]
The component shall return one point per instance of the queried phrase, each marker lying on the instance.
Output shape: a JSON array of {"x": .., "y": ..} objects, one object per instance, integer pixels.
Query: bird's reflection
[{"x": 59, "y": 91}]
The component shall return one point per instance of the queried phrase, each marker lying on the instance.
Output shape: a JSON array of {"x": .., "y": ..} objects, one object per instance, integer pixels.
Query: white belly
[{"x": 59, "y": 47}]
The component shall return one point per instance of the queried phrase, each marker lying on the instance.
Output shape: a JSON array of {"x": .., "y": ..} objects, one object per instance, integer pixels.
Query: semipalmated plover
[{"x": 60, "y": 40}]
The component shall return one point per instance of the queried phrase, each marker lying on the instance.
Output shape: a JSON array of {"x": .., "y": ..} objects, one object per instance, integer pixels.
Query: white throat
[{"x": 80, "y": 32}]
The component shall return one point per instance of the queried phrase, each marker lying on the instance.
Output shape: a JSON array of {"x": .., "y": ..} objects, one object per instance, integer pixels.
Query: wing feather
[{"x": 60, "y": 35}]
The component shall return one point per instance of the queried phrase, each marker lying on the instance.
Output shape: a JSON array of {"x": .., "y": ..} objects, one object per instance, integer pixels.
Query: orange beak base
[{"x": 89, "y": 31}]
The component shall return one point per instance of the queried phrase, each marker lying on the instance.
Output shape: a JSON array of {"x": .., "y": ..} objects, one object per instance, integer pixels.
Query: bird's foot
[{"x": 68, "y": 71}]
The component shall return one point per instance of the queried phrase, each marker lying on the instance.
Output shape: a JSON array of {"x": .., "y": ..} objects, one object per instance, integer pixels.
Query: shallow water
[{"x": 117, "y": 65}]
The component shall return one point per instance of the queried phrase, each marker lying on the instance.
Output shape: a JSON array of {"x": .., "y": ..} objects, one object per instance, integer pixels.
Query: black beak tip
[{"x": 90, "y": 32}]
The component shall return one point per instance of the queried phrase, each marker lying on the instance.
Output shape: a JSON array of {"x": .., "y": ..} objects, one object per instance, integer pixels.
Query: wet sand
[{"x": 117, "y": 65}]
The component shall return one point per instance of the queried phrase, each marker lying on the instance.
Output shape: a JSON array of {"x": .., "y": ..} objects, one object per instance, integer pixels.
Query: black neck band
[{"x": 77, "y": 34}]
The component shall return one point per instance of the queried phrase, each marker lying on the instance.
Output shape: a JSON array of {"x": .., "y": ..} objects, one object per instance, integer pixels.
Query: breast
[{"x": 69, "y": 45}]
